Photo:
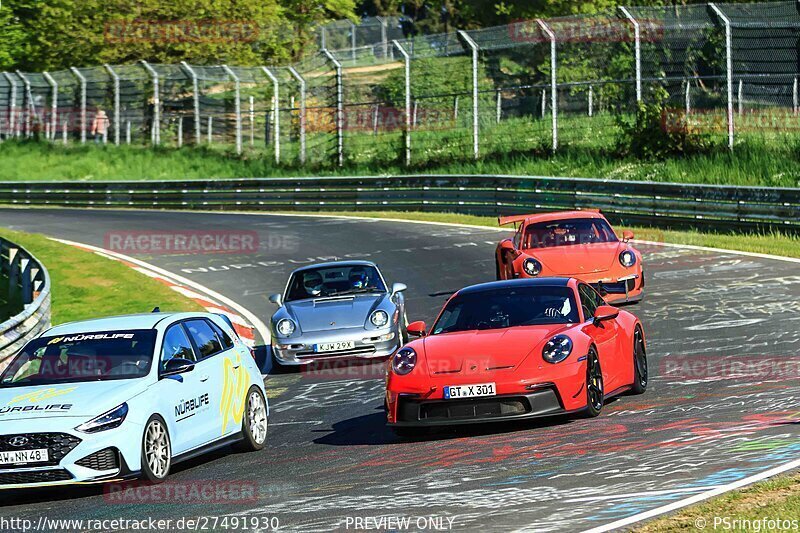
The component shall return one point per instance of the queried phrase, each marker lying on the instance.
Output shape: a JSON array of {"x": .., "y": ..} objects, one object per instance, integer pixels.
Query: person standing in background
[{"x": 100, "y": 126}]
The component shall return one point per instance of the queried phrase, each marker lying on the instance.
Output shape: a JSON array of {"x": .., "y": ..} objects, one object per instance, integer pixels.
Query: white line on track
[
  {"x": 652, "y": 513},
  {"x": 246, "y": 313}
]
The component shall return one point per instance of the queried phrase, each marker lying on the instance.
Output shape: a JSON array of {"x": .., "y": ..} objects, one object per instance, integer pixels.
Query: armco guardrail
[
  {"x": 26, "y": 293},
  {"x": 627, "y": 202}
]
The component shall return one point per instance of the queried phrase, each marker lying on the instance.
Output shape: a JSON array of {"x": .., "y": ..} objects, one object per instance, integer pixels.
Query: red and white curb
[{"x": 246, "y": 324}]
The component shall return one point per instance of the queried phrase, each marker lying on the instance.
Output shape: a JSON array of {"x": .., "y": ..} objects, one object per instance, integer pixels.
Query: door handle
[{"x": 203, "y": 378}]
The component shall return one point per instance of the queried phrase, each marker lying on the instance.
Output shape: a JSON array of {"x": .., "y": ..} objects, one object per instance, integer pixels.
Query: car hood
[
  {"x": 580, "y": 258},
  {"x": 484, "y": 350},
  {"x": 85, "y": 400},
  {"x": 334, "y": 313}
]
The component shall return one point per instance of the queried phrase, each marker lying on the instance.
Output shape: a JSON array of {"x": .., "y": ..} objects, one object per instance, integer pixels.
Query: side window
[
  {"x": 588, "y": 301},
  {"x": 227, "y": 342},
  {"x": 518, "y": 237},
  {"x": 176, "y": 344},
  {"x": 204, "y": 337}
]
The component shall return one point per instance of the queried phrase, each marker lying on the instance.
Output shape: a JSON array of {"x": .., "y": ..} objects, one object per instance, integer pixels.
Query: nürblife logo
[{"x": 186, "y": 408}]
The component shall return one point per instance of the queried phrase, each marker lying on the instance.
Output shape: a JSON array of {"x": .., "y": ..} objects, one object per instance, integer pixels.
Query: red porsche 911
[
  {"x": 580, "y": 244},
  {"x": 516, "y": 349}
]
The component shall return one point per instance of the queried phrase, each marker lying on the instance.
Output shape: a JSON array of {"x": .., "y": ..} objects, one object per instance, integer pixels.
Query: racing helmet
[
  {"x": 358, "y": 277},
  {"x": 312, "y": 282}
]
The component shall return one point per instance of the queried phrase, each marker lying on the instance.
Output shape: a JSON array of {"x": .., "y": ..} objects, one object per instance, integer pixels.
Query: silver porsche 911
[{"x": 337, "y": 310}]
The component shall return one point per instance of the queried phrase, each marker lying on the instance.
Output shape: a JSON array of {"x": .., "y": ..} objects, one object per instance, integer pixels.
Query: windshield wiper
[{"x": 355, "y": 291}]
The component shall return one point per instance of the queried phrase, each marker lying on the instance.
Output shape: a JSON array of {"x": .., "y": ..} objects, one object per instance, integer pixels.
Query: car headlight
[
  {"x": 627, "y": 258},
  {"x": 108, "y": 420},
  {"x": 557, "y": 349},
  {"x": 285, "y": 327},
  {"x": 404, "y": 361},
  {"x": 379, "y": 318},
  {"x": 532, "y": 267}
]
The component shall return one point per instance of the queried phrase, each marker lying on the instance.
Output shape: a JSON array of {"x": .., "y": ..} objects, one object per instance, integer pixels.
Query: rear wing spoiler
[
  {"x": 513, "y": 219},
  {"x": 505, "y": 221}
]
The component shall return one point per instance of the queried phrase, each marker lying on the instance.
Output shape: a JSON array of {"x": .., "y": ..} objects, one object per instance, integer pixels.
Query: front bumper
[
  {"x": 413, "y": 412},
  {"x": 417, "y": 400},
  {"x": 79, "y": 458},
  {"x": 374, "y": 344}
]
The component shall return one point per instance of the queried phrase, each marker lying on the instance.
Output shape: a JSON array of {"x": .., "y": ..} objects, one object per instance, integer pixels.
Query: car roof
[
  {"x": 349, "y": 263},
  {"x": 120, "y": 323},
  {"x": 521, "y": 282},
  {"x": 562, "y": 215}
]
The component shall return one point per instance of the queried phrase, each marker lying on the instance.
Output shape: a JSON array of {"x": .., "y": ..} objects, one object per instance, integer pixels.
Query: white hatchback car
[{"x": 127, "y": 396}]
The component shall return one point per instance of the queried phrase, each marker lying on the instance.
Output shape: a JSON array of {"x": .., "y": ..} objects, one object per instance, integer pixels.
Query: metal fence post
[
  {"x": 688, "y": 97},
  {"x": 195, "y": 100},
  {"x": 116, "y": 101},
  {"x": 276, "y": 112},
  {"x": 252, "y": 121},
  {"x": 499, "y": 107},
  {"x": 740, "y": 97},
  {"x": 82, "y": 81},
  {"x": 339, "y": 106},
  {"x": 407, "y": 100},
  {"x": 53, "y": 105},
  {"x": 353, "y": 29},
  {"x": 475, "y": 106},
  {"x": 553, "y": 79},
  {"x": 12, "y": 103},
  {"x": 591, "y": 101},
  {"x": 795, "y": 97},
  {"x": 302, "y": 82},
  {"x": 637, "y": 36},
  {"x": 237, "y": 106},
  {"x": 156, "y": 131},
  {"x": 384, "y": 36},
  {"x": 27, "y": 103},
  {"x": 729, "y": 68}
]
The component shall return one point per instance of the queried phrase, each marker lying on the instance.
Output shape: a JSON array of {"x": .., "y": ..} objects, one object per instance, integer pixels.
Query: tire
[
  {"x": 497, "y": 270},
  {"x": 640, "y": 373},
  {"x": 594, "y": 385},
  {"x": 404, "y": 329},
  {"x": 156, "y": 450},
  {"x": 254, "y": 422}
]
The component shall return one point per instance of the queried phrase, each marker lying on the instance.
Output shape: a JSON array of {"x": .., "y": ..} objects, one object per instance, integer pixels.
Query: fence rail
[
  {"x": 626, "y": 202},
  {"x": 24, "y": 299},
  {"x": 730, "y": 70}
]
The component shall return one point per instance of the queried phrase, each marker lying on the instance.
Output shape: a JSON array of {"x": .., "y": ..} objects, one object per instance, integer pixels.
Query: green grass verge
[
  {"x": 776, "y": 499},
  {"x": 86, "y": 285},
  {"x": 767, "y": 243},
  {"x": 755, "y": 161}
]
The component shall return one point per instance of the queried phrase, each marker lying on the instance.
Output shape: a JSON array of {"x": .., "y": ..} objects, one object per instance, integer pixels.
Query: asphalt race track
[{"x": 702, "y": 423}]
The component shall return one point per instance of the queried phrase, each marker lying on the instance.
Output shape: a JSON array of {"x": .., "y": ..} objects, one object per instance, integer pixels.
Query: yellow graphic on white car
[
  {"x": 41, "y": 395},
  {"x": 235, "y": 381}
]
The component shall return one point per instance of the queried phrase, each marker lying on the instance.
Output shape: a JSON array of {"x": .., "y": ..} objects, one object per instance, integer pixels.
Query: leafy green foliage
[{"x": 655, "y": 132}]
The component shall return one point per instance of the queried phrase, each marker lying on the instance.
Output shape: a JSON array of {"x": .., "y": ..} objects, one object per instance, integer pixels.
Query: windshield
[
  {"x": 93, "y": 356},
  {"x": 505, "y": 308},
  {"x": 334, "y": 281},
  {"x": 567, "y": 233}
]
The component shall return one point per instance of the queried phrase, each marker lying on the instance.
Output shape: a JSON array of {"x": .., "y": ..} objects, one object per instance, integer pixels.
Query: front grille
[
  {"x": 358, "y": 350},
  {"x": 102, "y": 460},
  {"x": 37, "y": 476},
  {"x": 619, "y": 287},
  {"x": 57, "y": 444},
  {"x": 483, "y": 408}
]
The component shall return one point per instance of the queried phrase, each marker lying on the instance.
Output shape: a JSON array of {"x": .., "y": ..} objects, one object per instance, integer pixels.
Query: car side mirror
[
  {"x": 177, "y": 366},
  {"x": 398, "y": 287},
  {"x": 507, "y": 245},
  {"x": 627, "y": 235},
  {"x": 605, "y": 312},
  {"x": 416, "y": 329},
  {"x": 277, "y": 299}
]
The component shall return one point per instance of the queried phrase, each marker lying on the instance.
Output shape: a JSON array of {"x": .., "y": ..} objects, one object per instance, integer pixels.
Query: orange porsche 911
[{"x": 578, "y": 244}]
